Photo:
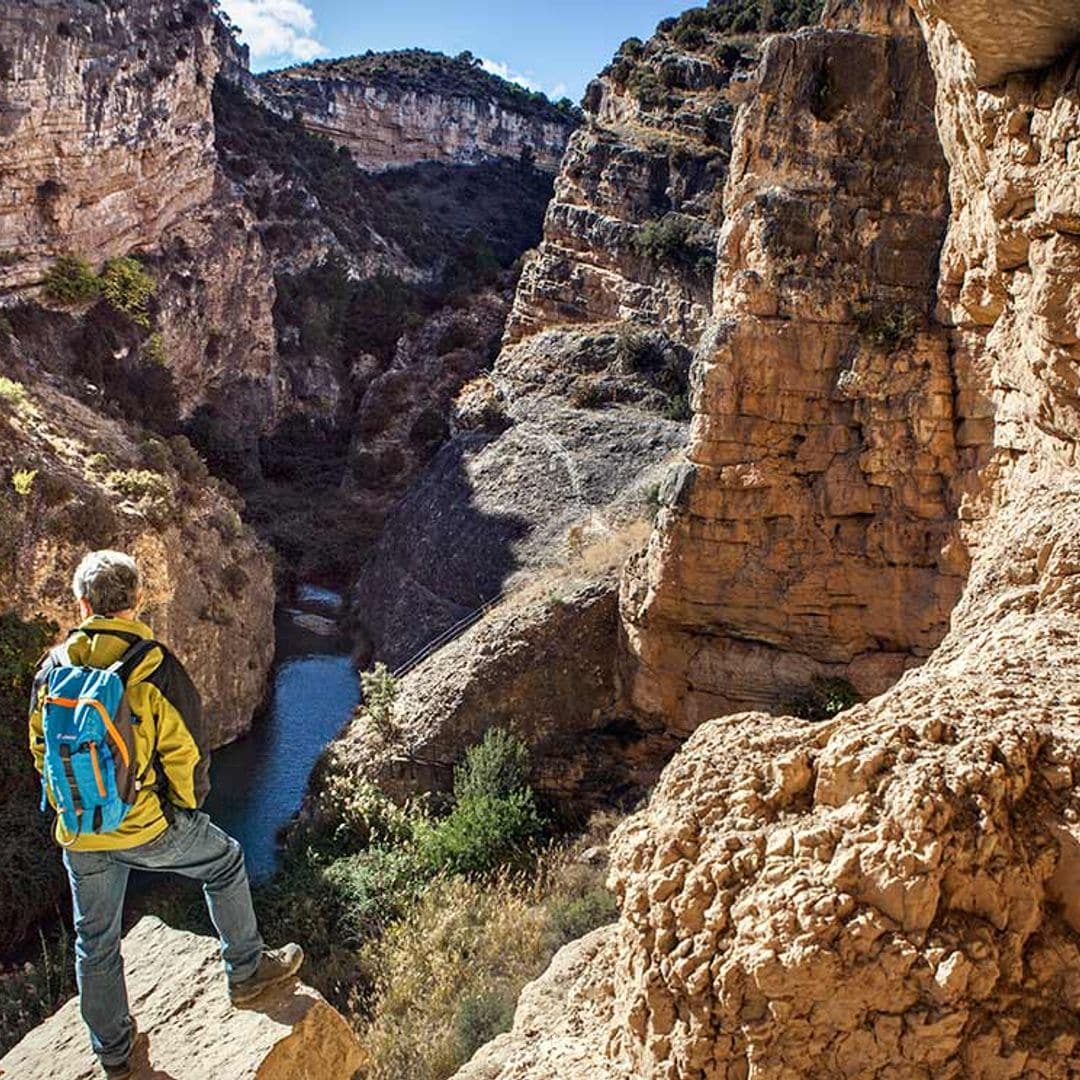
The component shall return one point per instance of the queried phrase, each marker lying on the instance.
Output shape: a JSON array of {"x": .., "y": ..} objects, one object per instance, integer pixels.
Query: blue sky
[{"x": 551, "y": 45}]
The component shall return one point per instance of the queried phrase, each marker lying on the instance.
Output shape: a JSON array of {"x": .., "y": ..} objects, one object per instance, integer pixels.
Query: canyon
[{"x": 783, "y": 397}]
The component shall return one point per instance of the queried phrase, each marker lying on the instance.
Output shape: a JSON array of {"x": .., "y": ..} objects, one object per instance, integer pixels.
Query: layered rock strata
[
  {"x": 811, "y": 529},
  {"x": 540, "y": 665},
  {"x": 891, "y": 892},
  {"x": 649, "y": 151},
  {"x": 74, "y": 480},
  {"x": 188, "y": 1028},
  {"x": 393, "y": 110},
  {"x": 588, "y": 393},
  {"x": 105, "y": 129}
]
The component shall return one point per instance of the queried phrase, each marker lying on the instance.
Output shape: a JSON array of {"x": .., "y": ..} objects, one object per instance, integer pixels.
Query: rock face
[
  {"x": 646, "y": 154},
  {"x": 107, "y": 134},
  {"x": 104, "y": 127},
  {"x": 541, "y": 664},
  {"x": 811, "y": 529},
  {"x": 96, "y": 483},
  {"x": 400, "y": 108},
  {"x": 891, "y": 893},
  {"x": 1034, "y": 34},
  {"x": 402, "y": 416},
  {"x": 589, "y": 392},
  {"x": 187, "y": 1028}
]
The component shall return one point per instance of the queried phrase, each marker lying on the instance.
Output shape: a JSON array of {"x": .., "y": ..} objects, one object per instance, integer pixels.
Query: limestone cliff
[
  {"x": 74, "y": 479},
  {"x": 891, "y": 892},
  {"x": 187, "y": 1029},
  {"x": 104, "y": 130},
  {"x": 107, "y": 135},
  {"x": 588, "y": 394},
  {"x": 811, "y": 529},
  {"x": 396, "y": 109}
]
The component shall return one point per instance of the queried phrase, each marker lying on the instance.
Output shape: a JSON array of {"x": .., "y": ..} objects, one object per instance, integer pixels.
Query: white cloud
[
  {"x": 276, "y": 29},
  {"x": 497, "y": 67},
  {"x": 558, "y": 91}
]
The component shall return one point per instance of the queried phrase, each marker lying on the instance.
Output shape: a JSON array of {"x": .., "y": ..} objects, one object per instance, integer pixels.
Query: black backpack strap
[{"x": 133, "y": 656}]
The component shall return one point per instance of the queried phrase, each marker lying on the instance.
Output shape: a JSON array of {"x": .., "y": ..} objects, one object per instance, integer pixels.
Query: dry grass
[
  {"x": 448, "y": 975},
  {"x": 596, "y": 550}
]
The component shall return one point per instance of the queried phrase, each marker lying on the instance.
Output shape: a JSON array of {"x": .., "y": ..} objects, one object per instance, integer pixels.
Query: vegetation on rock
[
  {"x": 27, "y": 994},
  {"x": 71, "y": 280},
  {"x": 437, "y": 73}
]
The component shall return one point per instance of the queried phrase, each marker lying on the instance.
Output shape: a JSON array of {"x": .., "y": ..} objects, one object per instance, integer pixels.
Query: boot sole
[{"x": 242, "y": 997}]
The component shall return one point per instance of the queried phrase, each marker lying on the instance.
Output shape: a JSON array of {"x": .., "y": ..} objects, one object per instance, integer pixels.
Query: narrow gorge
[{"x": 709, "y": 451}]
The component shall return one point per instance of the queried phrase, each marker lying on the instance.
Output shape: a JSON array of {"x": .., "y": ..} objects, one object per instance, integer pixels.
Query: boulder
[{"x": 188, "y": 1030}]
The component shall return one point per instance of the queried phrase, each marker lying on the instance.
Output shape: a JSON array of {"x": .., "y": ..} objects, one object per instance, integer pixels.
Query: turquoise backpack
[{"x": 90, "y": 767}]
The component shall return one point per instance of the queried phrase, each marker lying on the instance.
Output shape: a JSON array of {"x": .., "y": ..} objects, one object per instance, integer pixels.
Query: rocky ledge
[{"x": 187, "y": 1028}]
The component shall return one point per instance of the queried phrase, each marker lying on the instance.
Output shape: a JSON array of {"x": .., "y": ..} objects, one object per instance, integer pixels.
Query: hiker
[{"x": 117, "y": 733}]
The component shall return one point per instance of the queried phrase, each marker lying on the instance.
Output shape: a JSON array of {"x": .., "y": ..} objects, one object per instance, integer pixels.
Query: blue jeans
[{"x": 192, "y": 846}]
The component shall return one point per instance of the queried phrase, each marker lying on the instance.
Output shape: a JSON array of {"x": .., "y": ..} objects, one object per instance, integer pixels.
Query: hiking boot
[{"x": 275, "y": 966}]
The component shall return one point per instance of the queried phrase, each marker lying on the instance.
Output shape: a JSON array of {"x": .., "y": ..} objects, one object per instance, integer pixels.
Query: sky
[{"x": 555, "y": 46}]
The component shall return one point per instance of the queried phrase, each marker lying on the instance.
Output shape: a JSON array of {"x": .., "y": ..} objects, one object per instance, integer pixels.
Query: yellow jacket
[{"x": 166, "y": 723}]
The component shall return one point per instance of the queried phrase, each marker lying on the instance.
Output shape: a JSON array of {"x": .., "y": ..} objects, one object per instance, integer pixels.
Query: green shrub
[
  {"x": 29, "y": 882},
  {"x": 154, "y": 349},
  {"x": 496, "y": 767},
  {"x": 71, "y": 280},
  {"x": 678, "y": 242},
  {"x": 12, "y": 392},
  {"x": 186, "y": 460},
  {"x": 139, "y": 484},
  {"x": 678, "y": 408},
  {"x": 481, "y": 1017},
  {"x": 22, "y": 480},
  {"x": 889, "y": 328},
  {"x": 33, "y": 992},
  {"x": 824, "y": 698},
  {"x": 481, "y": 833},
  {"x": 127, "y": 287}
]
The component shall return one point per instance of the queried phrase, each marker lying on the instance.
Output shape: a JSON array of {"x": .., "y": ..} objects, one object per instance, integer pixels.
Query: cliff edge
[{"x": 188, "y": 1030}]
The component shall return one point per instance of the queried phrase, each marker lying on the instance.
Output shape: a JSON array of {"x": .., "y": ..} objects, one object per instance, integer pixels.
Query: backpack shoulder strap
[{"x": 133, "y": 656}]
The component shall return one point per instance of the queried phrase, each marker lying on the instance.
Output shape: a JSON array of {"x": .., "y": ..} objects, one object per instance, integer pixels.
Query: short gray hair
[{"x": 108, "y": 581}]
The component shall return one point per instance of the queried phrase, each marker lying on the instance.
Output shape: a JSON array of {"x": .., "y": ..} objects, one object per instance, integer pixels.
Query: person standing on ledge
[{"x": 116, "y": 730}]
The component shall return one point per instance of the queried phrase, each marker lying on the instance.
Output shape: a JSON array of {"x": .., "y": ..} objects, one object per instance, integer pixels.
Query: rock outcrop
[
  {"x": 104, "y": 129},
  {"x": 395, "y": 109},
  {"x": 542, "y": 665},
  {"x": 649, "y": 162},
  {"x": 188, "y": 1030},
  {"x": 811, "y": 529},
  {"x": 74, "y": 480},
  {"x": 1031, "y": 37},
  {"x": 892, "y": 892},
  {"x": 589, "y": 393},
  {"x": 108, "y": 139}
]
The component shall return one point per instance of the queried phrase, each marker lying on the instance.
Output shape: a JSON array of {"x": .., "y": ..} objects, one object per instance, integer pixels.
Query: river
[{"x": 259, "y": 781}]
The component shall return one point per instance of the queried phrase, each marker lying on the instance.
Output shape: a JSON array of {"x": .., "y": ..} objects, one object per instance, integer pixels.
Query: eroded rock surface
[
  {"x": 392, "y": 110},
  {"x": 103, "y": 127},
  {"x": 811, "y": 529},
  {"x": 188, "y": 1030},
  {"x": 890, "y": 893},
  {"x": 1033, "y": 34},
  {"x": 91, "y": 482},
  {"x": 589, "y": 392}
]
